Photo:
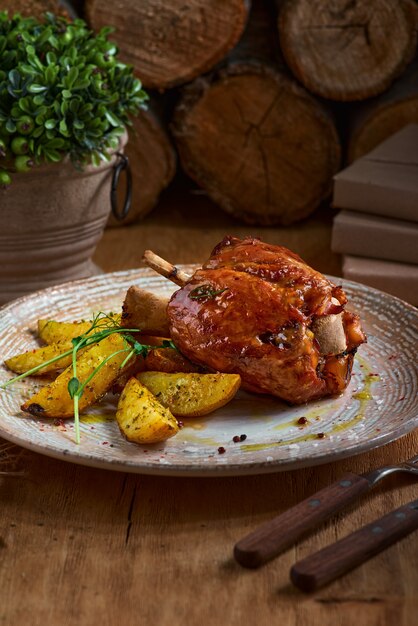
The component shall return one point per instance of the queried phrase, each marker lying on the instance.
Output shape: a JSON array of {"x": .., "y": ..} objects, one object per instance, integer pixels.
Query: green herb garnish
[
  {"x": 205, "y": 292},
  {"x": 63, "y": 91},
  {"x": 102, "y": 326}
]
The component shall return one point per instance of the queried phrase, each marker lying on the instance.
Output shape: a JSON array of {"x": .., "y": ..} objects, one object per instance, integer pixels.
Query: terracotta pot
[{"x": 51, "y": 220}]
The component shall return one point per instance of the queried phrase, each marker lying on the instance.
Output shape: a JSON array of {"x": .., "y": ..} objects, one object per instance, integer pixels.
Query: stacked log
[
  {"x": 37, "y": 7},
  {"x": 347, "y": 50},
  {"x": 261, "y": 147},
  {"x": 255, "y": 140},
  {"x": 172, "y": 42},
  {"x": 375, "y": 120},
  {"x": 255, "y": 87}
]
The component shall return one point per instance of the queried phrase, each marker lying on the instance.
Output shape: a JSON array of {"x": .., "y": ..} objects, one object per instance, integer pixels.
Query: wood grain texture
[
  {"x": 84, "y": 545},
  {"x": 172, "y": 42},
  {"x": 346, "y": 50},
  {"x": 187, "y": 225},
  {"x": 373, "y": 121},
  {"x": 240, "y": 135},
  {"x": 338, "y": 558},
  {"x": 81, "y": 546},
  {"x": 37, "y": 8},
  {"x": 281, "y": 532}
]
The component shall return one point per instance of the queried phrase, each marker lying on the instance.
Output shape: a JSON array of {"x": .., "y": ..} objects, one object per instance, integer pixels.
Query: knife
[
  {"x": 276, "y": 535},
  {"x": 327, "y": 564}
]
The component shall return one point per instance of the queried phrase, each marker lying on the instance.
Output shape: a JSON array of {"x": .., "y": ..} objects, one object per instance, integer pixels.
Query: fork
[{"x": 276, "y": 535}]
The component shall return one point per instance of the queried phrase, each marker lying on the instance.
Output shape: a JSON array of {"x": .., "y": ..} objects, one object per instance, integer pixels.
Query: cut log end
[
  {"x": 260, "y": 146},
  {"x": 38, "y": 8},
  {"x": 348, "y": 50},
  {"x": 374, "y": 121},
  {"x": 170, "y": 43},
  {"x": 382, "y": 124}
]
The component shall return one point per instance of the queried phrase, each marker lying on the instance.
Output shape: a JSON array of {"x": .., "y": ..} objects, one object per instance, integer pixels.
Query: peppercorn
[
  {"x": 321, "y": 435},
  {"x": 236, "y": 438},
  {"x": 221, "y": 450},
  {"x": 302, "y": 420},
  {"x": 243, "y": 437}
]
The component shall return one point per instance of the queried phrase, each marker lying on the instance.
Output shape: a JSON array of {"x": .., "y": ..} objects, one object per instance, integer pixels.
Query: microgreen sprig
[{"x": 107, "y": 326}]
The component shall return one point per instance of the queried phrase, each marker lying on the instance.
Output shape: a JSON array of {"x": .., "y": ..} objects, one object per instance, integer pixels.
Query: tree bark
[
  {"x": 347, "y": 49},
  {"x": 170, "y": 43},
  {"x": 153, "y": 164},
  {"x": 374, "y": 121}
]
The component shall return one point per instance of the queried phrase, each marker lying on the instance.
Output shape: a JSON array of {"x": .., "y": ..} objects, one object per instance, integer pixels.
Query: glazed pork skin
[{"x": 252, "y": 310}]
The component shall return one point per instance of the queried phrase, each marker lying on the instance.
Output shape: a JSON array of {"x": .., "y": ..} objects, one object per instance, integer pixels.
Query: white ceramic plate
[{"x": 379, "y": 406}]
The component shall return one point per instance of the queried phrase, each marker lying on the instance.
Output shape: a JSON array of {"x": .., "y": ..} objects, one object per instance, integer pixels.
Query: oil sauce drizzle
[
  {"x": 97, "y": 418},
  {"x": 363, "y": 396}
]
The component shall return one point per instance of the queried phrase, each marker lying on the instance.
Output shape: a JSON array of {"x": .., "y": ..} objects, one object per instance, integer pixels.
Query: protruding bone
[
  {"x": 329, "y": 333},
  {"x": 163, "y": 267},
  {"x": 328, "y": 330}
]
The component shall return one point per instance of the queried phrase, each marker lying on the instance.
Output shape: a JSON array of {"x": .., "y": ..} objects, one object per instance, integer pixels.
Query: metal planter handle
[{"x": 120, "y": 166}]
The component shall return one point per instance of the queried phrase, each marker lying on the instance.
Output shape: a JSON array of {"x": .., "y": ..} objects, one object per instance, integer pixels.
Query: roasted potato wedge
[
  {"x": 191, "y": 395},
  {"x": 53, "y": 400},
  {"x": 51, "y": 331},
  {"x": 141, "y": 418},
  {"x": 135, "y": 365},
  {"x": 145, "y": 311},
  {"x": 169, "y": 360},
  {"x": 24, "y": 362}
]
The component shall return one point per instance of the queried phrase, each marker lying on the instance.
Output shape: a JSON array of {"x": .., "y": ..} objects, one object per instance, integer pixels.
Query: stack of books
[{"x": 377, "y": 230}]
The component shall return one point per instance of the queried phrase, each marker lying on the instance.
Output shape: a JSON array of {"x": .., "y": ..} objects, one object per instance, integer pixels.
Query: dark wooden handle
[
  {"x": 335, "y": 560},
  {"x": 274, "y": 536}
]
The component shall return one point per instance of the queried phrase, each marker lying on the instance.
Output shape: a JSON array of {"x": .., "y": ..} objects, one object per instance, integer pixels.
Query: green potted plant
[{"x": 65, "y": 101}]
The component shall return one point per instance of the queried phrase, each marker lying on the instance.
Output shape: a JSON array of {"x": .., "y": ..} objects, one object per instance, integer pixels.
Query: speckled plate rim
[{"x": 186, "y": 470}]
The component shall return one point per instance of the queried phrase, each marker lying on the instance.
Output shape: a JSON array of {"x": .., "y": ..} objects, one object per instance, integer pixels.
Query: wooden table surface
[{"x": 91, "y": 547}]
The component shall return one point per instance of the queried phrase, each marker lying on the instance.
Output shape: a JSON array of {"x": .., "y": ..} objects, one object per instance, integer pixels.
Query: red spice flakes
[
  {"x": 104, "y": 443},
  {"x": 393, "y": 356},
  {"x": 221, "y": 450},
  {"x": 302, "y": 421},
  {"x": 321, "y": 435},
  {"x": 401, "y": 398}
]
